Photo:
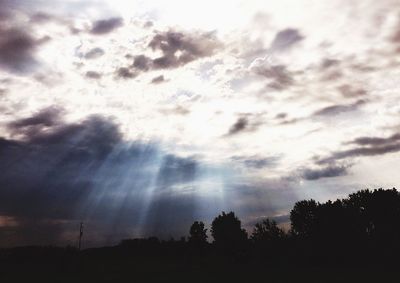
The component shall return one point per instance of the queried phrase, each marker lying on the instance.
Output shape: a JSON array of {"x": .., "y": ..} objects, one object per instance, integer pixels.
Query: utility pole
[{"x": 80, "y": 235}]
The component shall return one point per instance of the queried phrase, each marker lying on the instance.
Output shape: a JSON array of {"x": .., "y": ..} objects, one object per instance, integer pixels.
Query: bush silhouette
[{"x": 267, "y": 231}]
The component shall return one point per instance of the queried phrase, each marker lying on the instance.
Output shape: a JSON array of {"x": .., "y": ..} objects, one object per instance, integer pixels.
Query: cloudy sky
[{"x": 139, "y": 117}]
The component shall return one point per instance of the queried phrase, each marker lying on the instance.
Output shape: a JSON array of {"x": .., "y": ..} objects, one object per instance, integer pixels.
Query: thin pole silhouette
[{"x": 80, "y": 235}]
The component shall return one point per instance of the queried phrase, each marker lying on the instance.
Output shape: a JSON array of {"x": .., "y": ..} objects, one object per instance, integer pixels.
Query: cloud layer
[{"x": 139, "y": 117}]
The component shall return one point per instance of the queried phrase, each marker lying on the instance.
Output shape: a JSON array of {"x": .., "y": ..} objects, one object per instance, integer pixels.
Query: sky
[{"x": 140, "y": 117}]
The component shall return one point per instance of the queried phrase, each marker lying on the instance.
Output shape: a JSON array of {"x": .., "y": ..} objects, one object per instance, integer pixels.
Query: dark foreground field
[
  {"x": 116, "y": 265},
  {"x": 356, "y": 239}
]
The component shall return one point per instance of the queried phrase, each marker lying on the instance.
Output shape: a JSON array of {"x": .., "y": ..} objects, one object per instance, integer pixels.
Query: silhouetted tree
[
  {"x": 267, "y": 231},
  {"x": 227, "y": 231},
  {"x": 198, "y": 234},
  {"x": 376, "y": 213},
  {"x": 303, "y": 218}
]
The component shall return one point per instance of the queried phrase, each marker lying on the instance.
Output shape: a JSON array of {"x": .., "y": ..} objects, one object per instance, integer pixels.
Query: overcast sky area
[{"x": 139, "y": 117}]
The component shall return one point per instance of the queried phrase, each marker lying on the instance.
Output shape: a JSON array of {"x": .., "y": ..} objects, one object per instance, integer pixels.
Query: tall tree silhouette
[
  {"x": 227, "y": 231},
  {"x": 303, "y": 218},
  {"x": 376, "y": 213},
  {"x": 198, "y": 234}
]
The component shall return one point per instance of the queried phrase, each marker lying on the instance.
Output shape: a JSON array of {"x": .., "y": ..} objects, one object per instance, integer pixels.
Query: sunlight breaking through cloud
[{"x": 138, "y": 116}]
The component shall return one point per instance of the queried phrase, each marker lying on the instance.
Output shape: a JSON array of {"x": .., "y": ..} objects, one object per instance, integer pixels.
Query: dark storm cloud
[
  {"x": 106, "y": 26},
  {"x": 285, "y": 39},
  {"x": 40, "y": 172},
  {"x": 339, "y": 108},
  {"x": 55, "y": 173},
  {"x": 158, "y": 80},
  {"x": 326, "y": 172},
  {"x": 280, "y": 77},
  {"x": 94, "y": 53}
]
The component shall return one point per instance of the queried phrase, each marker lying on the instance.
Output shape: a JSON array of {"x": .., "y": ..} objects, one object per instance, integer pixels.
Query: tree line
[{"x": 364, "y": 226}]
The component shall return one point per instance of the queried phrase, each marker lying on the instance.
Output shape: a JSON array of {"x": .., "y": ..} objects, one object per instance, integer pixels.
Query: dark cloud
[
  {"x": 62, "y": 173},
  {"x": 280, "y": 77},
  {"x": 94, "y": 53},
  {"x": 281, "y": 115},
  {"x": 125, "y": 73},
  {"x": 106, "y": 26},
  {"x": 158, "y": 80},
  {"x": 176, "y": 170},
  {"x": 40, "y": 172},
  {"x": 240, "y": 125},
  {"x": 363, "y": 151},
  {"x": 326, "y": 172},
  {"x": 148, "y": 24},
  {"x": 18, "y": 42},
  {"x": 6, "y": 9},
  {"x": 257, "y": 162},
  {"x": 142, "y": 62},
  {"x": 367, "y": 146},
  {"x": 41, "y": 17},
  {"x": 328, "y": 63},
  {"x": 351, "y": 91},
  {"x": 339, "y": 108},
  {"x": 395, "y": 38},
  {"x": 46, "y": 117},
  {"x": 17, "y": 50},
  {"x": 179, "y": 49},
  {"x": 285, "y": 39},
  {"x": 246, "y": 122},
  {"x": 93, "y": 75},
  {"x": 376, "y": 141},
  {"x": 332, "y": 74}
]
